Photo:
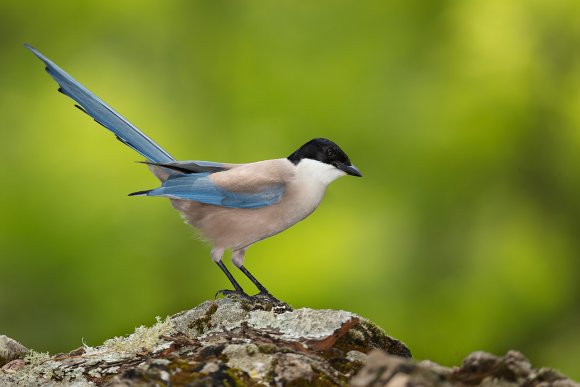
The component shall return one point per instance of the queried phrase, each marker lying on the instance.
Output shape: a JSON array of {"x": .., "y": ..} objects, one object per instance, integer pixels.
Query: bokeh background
[{"x": 464, "y": 116}]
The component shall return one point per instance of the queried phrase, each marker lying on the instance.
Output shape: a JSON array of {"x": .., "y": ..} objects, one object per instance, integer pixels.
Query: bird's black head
[{"x": 325, "y": 151}]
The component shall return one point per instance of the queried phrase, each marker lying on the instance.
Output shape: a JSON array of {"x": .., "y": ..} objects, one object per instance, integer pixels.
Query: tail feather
[
  {"x": 104, "y": 114},
  {"x": 140, "y": 193}
]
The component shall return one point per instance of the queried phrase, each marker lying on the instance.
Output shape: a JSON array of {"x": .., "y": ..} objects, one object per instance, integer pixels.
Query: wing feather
[{"x": 200, "y": 188}]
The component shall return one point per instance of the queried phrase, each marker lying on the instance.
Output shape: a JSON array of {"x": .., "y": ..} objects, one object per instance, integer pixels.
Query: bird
[{"x": 232, "y": 206}]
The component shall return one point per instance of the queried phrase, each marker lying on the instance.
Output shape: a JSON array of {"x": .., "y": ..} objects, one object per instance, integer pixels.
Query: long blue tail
[{"x": 104, "y": 114}]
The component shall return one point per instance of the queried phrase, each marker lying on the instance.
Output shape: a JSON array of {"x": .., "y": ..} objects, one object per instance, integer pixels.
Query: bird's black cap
[{"x": 325, "y": 151}]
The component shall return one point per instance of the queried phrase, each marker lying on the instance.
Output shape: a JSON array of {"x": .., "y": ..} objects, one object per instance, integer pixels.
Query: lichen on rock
[
  {"x": 223, "y": 341},
  {"x": 234, "y": 342}
]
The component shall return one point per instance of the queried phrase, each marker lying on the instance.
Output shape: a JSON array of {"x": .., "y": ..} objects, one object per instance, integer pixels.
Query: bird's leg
[
  {"x": 216, "y": 255},
  {"x": 238, "y": 260},
  {"x": 263, "y": 291},
  {"x": 237, "y": 287}
]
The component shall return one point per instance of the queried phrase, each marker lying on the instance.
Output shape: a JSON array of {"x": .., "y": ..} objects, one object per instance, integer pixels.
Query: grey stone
[
  {"x": 10, "y": 349},
  {"x": 233, "y": 341}
]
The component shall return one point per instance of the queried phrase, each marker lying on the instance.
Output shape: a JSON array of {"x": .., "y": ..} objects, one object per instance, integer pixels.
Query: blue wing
[
  {"x": 194, "y": 166},
  {"x": 199, "y": 188},
  {"x": 104, "y": 114}
]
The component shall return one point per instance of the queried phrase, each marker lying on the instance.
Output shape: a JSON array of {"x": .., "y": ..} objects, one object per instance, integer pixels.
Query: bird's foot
[
  {"x": 265, "y": 295},
  {"x": 233, "y": 294},
  {"x": 277, "y": 305},
  {"x": 262, "y": 300}
]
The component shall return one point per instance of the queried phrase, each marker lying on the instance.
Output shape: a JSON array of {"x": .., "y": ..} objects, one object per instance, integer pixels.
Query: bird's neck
[{"x": 317, "y": 173}]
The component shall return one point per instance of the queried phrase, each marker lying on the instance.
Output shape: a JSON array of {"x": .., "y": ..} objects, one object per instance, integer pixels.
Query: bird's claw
[
  {"x": 261, "y": 298},
  {"x": 265, "y": 295},
  {"x": 235, "y": 293},
  {"x": 277, "y": 305}
]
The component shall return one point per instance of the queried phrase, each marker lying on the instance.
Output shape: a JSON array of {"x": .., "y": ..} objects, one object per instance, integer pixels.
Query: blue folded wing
[
  {"x": 104, "y": 114},
  {"x": 199, "y": 188},
  {"x": 194, "y": 166}
]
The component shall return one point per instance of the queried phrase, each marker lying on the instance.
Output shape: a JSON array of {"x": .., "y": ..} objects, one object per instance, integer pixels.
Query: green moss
[
  {"x": 180, "y": 364},
  {"x": 352, "y": 341},
  {"x": 367, "y": 336},
  {"x": 211, "y": 310},
  {"x": 203, "y": 323},
  {"x": 183, "y": 378},
  {"x": 182, "y": 372},
  {"x": 336, "y": 358},
  {"x": 345, "y": 366},
  {"x": 267, "y": 348},
  {"x": 238, "y": 378}
]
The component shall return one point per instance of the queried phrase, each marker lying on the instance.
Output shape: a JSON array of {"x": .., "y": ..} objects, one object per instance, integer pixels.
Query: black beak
[{"x": 350, "y": 170}]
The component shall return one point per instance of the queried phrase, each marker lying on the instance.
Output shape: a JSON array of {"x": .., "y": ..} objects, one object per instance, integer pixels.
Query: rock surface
[
  {"x": 222, "y": 342},
  {"x": 478, "y": 369},
  {"x": 10, "y": 349},
  {"x": 236, "y": 342}
]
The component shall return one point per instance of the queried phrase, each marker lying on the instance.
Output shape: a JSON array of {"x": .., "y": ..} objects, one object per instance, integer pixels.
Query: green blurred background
[{"x": 464, "y": 116}]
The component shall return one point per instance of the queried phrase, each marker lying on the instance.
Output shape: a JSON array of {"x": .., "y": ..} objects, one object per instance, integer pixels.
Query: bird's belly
[{"x": 236, "y": 228}]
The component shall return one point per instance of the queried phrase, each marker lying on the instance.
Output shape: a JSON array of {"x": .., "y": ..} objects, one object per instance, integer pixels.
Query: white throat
[{"x": 316, "y": 171}]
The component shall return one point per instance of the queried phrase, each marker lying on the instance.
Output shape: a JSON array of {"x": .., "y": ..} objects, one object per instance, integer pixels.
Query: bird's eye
[{"x": 330, "y": 152}]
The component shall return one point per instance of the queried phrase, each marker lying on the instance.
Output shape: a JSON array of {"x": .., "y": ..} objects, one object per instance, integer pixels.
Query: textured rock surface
[
  {"x": 478, "y": 369},
  {"x": 226, "y": 341},
  {"x": 10, "y": 349},
  {"x": 238, "y": 343}
]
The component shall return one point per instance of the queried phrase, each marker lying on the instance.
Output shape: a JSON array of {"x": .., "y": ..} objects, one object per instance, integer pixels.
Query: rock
[
  {"x": 478, "y": 369},
  {"x": 513, "y": 368},
  {"x": 10, "y": 349},
  {"x": 236, "y": 342},
  {"x": 226, "y": 341}
]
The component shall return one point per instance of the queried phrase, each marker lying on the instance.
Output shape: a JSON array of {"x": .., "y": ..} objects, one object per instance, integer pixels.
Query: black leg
[
  {"x": 278, "y": 306},
  {"x": 261, "y": 288},
  {"x": 237, "y": 287}
]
